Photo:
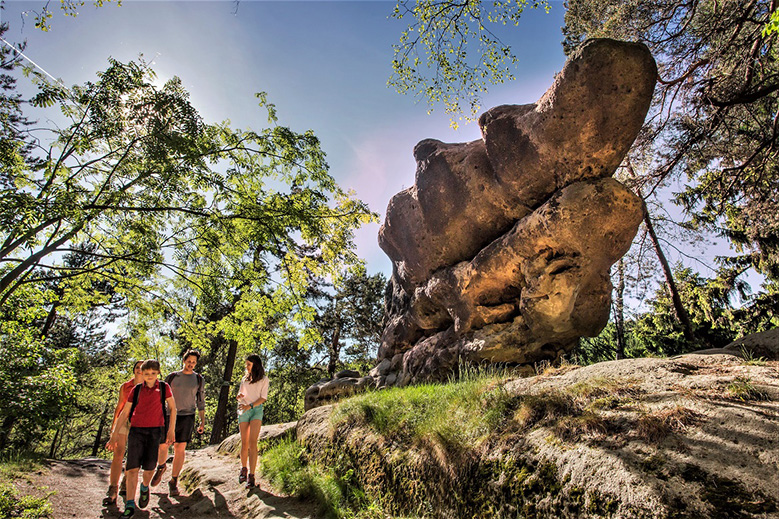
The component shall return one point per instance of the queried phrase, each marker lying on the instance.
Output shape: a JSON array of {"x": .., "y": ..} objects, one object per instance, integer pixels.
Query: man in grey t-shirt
[{"x": 187, "y": 387}]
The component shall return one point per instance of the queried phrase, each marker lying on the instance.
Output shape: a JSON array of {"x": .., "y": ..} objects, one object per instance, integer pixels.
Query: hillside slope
[{"x": 686, "y": 437}]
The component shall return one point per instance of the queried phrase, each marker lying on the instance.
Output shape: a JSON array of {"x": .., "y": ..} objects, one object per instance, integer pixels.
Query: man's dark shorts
[
  {"x": 142, "y": 446},
  {"x": 184, "y": 426}
]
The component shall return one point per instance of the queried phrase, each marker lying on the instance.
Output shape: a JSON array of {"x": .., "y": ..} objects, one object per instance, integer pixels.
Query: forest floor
[{"x": 76, "y": 488}]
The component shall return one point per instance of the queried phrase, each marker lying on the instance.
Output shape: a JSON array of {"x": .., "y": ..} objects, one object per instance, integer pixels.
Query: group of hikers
[{"x": 151, "y": 415}]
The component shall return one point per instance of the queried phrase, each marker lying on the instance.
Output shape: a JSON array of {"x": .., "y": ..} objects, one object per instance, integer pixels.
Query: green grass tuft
[
  {"x": 750, "y": 359},
  {"x": 289, "y": 469},
  {"x": 743, "y": 389},
  {"x": 26, "y": 507}
]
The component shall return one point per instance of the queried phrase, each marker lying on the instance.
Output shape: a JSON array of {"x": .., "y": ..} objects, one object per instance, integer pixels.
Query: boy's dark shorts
[
  {"x": 184, "y": 426},
  {"x": 142, "y": 446}
]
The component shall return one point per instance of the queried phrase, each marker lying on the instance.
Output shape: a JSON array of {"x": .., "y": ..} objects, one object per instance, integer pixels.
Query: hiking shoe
[
  {"x": 242, "y": 477},
  {"x": 250, "y": 483},
  {"x": 144, "y": 499},
  {"x": 110, "y": 498},
  {"x": 157, "y": 478},
  {"x": 173, "y": 488},
  {"x": 128, "y": 511}
]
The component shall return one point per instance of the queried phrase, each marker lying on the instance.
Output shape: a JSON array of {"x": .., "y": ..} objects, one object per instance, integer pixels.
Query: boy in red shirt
[
  {"x": 144, "y": 409},
  {"x": 118, "y": 449}
]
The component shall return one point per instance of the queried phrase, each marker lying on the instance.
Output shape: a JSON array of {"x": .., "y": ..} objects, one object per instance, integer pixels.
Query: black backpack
[{"x": 137, "y": 394}]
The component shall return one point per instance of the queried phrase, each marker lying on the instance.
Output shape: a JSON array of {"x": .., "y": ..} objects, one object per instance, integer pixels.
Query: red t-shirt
[
  {"x": 124, "y": 394},
  {"x": 148, "y": 412},
  {"x": 127, "y": 388}
]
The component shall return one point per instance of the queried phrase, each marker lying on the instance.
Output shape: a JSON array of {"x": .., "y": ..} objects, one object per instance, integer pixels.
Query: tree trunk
[
  {"x": 100, "y": 427},
  {"x": 224, "y": 394},
  {"x": 681, "y": 313},
  {"x": 335, "y": 351},
  {"x": 619, "y": 309},
  {"x": 53, "y": 448},
  {"x": 50, "y": 319},
  {"x": 5, "y": 430}
]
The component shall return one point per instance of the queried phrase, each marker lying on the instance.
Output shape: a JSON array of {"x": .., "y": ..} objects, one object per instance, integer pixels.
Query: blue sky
[{"x": 323, "y": 64}]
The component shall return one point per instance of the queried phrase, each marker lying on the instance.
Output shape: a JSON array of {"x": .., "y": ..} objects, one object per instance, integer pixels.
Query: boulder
[{"x": 501, "y": 249}]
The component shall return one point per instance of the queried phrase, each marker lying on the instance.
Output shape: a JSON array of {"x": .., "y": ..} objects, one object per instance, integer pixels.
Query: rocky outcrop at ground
[
  {"x": 694, "y": 436},
  {"x": 502, "y": 247}
]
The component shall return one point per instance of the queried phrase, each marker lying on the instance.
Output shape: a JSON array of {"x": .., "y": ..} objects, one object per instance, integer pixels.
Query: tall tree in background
[
  {"x": 352, "y": 316},
  {"x": 218, "y": 231}
]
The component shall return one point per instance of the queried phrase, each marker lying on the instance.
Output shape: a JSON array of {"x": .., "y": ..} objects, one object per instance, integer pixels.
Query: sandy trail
[{"x": 78, "y": 488}]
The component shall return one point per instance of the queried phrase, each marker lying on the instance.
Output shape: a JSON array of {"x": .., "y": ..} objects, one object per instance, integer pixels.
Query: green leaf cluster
[{"x": 450, "y": 53}]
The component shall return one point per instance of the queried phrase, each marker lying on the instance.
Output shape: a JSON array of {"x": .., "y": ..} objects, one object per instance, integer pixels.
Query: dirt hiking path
[{"x": 209, "y": 489}]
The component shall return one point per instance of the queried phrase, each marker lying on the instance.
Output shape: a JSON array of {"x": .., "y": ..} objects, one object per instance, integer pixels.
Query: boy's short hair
[
  {"x": 189, "y": 353},
  {"x": 152, "y": 364}
]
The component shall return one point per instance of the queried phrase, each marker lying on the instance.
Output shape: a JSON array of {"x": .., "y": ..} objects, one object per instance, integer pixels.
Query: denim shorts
[{"x": 251, "y": 414}]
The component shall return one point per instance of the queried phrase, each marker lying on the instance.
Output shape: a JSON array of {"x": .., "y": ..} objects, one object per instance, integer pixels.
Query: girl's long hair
[{"x": 258, "y": 371}]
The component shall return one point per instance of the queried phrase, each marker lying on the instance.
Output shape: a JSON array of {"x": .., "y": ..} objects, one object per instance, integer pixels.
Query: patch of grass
[
  {"x": 545, "y": 408},
  {"x": 15, "y": 465},
  {"x": 26, "y": 507},
  {"x": 456, "y": 416},
  {"x": 604, "y": 387},
  {"x": 289, "y": 469},
  {"x": 18, "y": 465},
  {"x": 546, "y": 368},
  {"x": 743, "y": 389},
  {"x": 570, "y": 428},
  {"x": 656, "y": 426},
  {"x": 750, "y": 359}
]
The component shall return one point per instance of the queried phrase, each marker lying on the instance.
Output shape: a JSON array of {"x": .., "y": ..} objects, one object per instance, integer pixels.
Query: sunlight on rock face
[{"x": 501, "y": 250}]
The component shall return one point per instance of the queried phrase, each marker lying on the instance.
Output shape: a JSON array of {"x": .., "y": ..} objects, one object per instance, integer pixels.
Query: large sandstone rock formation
[{"x": 501, "y": 250}]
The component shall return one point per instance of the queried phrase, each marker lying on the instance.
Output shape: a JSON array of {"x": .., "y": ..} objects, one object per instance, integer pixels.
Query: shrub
[{"x": 25, "y": 507}]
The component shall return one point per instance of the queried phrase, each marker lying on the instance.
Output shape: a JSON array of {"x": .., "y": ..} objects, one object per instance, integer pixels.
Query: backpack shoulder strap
[
  {"x": 163, "y": 392},
  {"x": 136, "y": 396}
]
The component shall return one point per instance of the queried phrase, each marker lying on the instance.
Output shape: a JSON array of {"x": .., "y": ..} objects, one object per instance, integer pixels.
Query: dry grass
[
  {"x": 545, "y": 407},
  {"x": 655, "y": 426},
  {"x": 546, "y": 368},
  {"x": 572, "y": 428}
]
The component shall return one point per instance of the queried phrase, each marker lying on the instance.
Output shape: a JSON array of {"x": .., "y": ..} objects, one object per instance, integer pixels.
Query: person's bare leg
[
  {"x": 132, "y": 483},
  {"x": 147, "y": 475},
  {"x": 162, "y": 454},
  {"x": 116, "y": 461},
  {"x": 254, "y": 434},
  {"x": 179, "y": 453},
  {"x": 244, "y": 428}
]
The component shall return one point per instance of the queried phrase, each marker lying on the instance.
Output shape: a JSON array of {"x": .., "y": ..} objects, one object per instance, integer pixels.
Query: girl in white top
[{"x": 251, "y": 397}]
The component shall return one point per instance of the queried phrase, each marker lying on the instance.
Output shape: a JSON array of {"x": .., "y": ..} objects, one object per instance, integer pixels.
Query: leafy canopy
[{"x": 449, "y": 53}]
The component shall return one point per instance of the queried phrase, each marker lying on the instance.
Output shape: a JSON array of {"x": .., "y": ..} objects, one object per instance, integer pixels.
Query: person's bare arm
[
  {"x": 117, "y": 410},
  {"x": 171, "y": 439},
  {"x": 120, "y": 421}
]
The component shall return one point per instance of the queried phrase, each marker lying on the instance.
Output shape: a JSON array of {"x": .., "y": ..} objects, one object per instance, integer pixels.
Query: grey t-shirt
[{"x": 187, "y": 392}]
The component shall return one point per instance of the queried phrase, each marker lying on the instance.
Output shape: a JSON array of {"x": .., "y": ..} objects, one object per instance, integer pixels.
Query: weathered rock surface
[
  {"x": 501, "y": 249},
  {"x": 763, "y": 345},
  {"x": 466, "y": 195},
  {"x": 653, "y": 438}
]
